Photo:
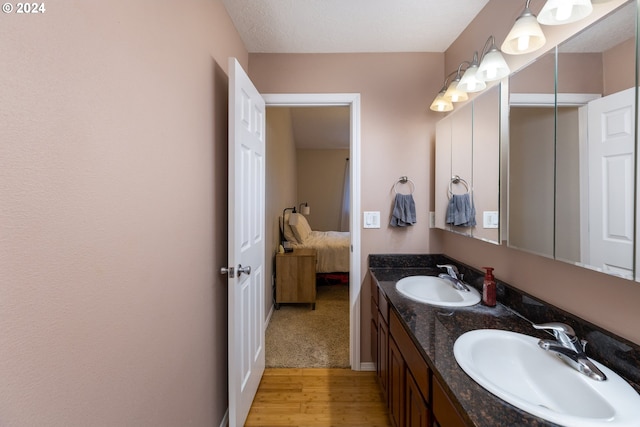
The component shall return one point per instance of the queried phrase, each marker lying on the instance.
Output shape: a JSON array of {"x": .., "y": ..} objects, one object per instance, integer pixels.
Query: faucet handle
[
  {"x": 561, "y": 331},
  {"x": 452, "y": 270}
]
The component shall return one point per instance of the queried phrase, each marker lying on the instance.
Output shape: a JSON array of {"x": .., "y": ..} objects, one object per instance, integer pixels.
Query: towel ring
[
  {"x": 457, "y": 180},
  {"x": 404, "y": 180}
]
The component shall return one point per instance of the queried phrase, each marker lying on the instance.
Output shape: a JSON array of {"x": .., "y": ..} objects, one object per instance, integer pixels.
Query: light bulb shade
[
  {"x": 441, "y": 104},
  {"x": 469, "y": 82},
  {"x": 453, "y": 94},
  {"x": 305, "y": 210},
  {"x": 558, "y": 12},
  {"x": 493, "y": 67},
  {"x": 526, "y": 36}
]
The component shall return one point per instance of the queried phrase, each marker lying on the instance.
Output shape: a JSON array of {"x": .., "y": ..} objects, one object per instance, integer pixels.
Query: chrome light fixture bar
[{"x": 525, "y": 36}]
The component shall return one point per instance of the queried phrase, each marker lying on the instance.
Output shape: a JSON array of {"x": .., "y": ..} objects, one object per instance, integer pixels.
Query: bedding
[{"x": 332, "y": 247}]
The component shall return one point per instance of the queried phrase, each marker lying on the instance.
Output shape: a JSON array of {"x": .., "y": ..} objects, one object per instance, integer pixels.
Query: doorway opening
[{"x": 352, "y": 102}]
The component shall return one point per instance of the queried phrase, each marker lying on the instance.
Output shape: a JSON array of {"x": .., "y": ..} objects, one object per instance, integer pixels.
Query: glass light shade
[
  {"x": 526, "y": 36},
  {"x": 305, "y": 210},
  {"x": 558, "y": 12},
  {"x": 441, "y": 104},
  {"x": 493, "y": 66},
  {"x": 469, "y": 82},
  {"x": 454, "y": 94}
]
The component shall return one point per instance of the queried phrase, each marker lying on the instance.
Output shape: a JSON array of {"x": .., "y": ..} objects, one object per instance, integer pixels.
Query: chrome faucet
[
  {"x": 452, "y": 276},
  {"x": 569, "y": 349}
]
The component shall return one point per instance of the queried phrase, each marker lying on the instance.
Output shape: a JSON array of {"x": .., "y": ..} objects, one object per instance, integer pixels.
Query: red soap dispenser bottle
[{"x": 489, "y": 288}]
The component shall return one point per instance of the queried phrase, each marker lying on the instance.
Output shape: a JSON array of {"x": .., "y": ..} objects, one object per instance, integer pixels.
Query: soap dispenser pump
[{"x": 489, "y": 288}]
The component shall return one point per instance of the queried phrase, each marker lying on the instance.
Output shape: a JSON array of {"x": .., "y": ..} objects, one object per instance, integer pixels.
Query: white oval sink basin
[
  {"x": 436, "y": 291},
  {"x": 513, "y": 367}
]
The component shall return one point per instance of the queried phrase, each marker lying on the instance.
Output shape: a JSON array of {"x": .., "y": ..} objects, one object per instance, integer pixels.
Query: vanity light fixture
[
  {"x": 469, "y": 82},
  {"x": 492, "y": 65},
  {"x": 441, "y": 104},
  {"x": 525, "y": 36},
  {"x": 558, "y": 12},
  {"x": 453, "y": 93}
]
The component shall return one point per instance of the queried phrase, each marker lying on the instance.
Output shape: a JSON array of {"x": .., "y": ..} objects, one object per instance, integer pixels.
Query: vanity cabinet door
[
  {"x": 416, "y": 409},
  {"x": 444, "y": 412},
  {"x": 383, "y": 356},
  {"x": 396, "y": 384}
]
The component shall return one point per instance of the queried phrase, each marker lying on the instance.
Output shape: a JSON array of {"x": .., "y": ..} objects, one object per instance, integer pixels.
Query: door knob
[{"x": 245, "y": 270}]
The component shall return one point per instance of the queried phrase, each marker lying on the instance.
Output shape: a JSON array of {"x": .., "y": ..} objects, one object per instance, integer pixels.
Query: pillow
[
  {"x": 287, "y": 231},
  {"x": 300, "y": 227}
]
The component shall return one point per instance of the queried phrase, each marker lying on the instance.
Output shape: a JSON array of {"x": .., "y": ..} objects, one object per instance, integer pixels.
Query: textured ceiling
[{"x": 335, "y": 26}]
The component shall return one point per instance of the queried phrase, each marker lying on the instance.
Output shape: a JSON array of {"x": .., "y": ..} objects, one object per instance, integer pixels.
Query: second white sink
[
  {"x": 513, "y": 367},
  {"x": 436, "y": 291}
]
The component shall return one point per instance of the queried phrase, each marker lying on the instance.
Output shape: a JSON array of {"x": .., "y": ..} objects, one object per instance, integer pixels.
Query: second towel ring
[
  {"x": 457, "y": 180},
  {"x": 404, "y": 180}
]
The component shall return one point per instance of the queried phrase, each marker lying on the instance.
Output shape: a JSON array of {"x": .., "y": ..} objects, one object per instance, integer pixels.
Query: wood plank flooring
[{"x": 318, "y": 397}]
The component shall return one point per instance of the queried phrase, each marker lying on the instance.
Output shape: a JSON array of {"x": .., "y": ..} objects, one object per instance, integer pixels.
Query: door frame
[{"x": 352, "y": 100}]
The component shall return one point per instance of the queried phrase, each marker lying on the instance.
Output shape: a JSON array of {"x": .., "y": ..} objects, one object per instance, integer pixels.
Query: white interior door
[
  {"x": 246, "y": 242},
  {"x": 611, "y": 182}
]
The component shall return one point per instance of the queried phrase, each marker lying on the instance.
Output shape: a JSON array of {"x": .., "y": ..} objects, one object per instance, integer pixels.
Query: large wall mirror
[{"x": 572, "y": 141}]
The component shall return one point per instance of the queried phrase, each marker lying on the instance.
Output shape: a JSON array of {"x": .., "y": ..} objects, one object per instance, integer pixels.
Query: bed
[{"x": 332, "y": 247}]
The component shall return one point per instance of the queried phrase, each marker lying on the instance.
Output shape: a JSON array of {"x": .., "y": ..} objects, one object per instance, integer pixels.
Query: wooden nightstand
[{"x": 296, "y": 277}]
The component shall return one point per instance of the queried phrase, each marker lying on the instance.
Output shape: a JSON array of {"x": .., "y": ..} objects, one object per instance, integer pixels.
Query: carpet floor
[{"x": 298, "y": 337}]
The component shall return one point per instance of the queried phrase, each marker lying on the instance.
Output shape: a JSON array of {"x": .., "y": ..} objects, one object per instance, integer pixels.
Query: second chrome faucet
[{"x": 569, "y": 349}]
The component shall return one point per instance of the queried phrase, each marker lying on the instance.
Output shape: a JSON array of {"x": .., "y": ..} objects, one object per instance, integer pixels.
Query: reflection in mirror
[
  {"x": 468, "y": 168},
  {"x": 531, "y": 157},
  {"x": 486, "y": 164},
  {"x": 595, "y": 145}
]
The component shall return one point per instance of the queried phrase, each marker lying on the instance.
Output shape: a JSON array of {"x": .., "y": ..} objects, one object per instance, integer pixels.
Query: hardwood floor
[{"x": 318, "y": 397}]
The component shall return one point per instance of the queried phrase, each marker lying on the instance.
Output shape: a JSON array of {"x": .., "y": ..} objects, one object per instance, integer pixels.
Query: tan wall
[
  {"x": 320, "y": 183},
  {"x": 531, "y": 179},
  {"x": 281, "y": 185},
  {"x": 397, "y": 132},
  {"x": 619, "y": 69},
  {"x": 113, "y": 192},
  {"x": 607, "y": 301}
]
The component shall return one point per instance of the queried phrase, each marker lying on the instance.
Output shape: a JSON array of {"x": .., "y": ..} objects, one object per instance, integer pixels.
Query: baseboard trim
[{"x": 367, "y": 366}]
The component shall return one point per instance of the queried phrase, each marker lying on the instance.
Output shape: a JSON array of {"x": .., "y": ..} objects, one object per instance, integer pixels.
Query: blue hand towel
[
  {"x": 461, "y": 210},
  {"x": 404, "y": 211}
]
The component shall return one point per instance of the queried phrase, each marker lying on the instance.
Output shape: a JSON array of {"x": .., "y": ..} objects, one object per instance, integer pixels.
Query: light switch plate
[
  {"x": 490, "y": 219},
  {"x": 371, "y": 219},
  {"x": 432, "y": 220}
]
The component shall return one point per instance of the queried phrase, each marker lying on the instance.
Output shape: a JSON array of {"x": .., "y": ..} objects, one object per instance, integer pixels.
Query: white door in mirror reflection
[{"x": 611, "y": 184}]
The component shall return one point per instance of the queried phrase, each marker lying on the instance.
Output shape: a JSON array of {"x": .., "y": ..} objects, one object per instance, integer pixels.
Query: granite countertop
[{"x": 434, "y": 331}]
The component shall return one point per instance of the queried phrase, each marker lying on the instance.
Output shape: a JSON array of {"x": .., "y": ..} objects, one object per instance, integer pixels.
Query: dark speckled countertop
[{"x": 435, "y": 329}]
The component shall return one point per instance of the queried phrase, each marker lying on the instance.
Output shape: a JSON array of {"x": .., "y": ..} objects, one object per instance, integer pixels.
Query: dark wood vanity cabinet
[{"x": 414, "y": 396}]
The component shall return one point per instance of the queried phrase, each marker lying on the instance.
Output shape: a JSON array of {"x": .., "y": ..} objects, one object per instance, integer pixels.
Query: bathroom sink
[
  {"x": 513, "y": 367},
  {"x": 436, "y": 291}
]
